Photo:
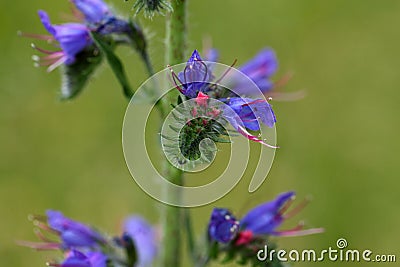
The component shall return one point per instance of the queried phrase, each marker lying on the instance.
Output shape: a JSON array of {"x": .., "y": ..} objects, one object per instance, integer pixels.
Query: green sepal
[
  {"x": 213, "y": 250},
  {"x": 130, "y": 250},
  {"x": 76, "y": 75},
  {"x": 221, "y": 140}
]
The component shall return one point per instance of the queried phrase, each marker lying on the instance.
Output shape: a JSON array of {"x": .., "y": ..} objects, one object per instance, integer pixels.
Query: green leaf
[
  {"x": 114, "y": 62},
  {"x": 76, "y": 76}
]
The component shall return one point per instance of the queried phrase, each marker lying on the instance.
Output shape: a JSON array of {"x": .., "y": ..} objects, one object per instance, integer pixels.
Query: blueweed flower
[
  {"x": 196, "y": 81},
  {"x": 259, "y": 69},
  {"x": 195, "y": 77},
  {"x": 81, "y": 46},
  {"x": 96, "y": 12},
  {"x": 251, "y": 112},
  {"x": 85, "y": 247},
  {"x": 212, "y": 55},
  {"x": 75, "y": 258},
  {"x": 223, "y": 226},
  {"x": 73, "y": 233},
  {"x": 144, "y": 237},
  {"x": 99, "y": 17},
  {"x": 262, "y": 221},
  {"x": 72, "y": 38}
]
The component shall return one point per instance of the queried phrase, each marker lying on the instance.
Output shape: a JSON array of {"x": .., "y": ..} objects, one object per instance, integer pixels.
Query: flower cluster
[
  {"x": 84, "y": 246},
  {"x": 245, "y": 114},
  {"x": 78, "y": 46},
  {"x": 73, "y": 38},
  {"x": 243, "y": 237}
]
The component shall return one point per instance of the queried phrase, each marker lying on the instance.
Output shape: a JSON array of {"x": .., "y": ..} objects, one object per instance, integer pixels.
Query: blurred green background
[{"x": 339, "y": 144}]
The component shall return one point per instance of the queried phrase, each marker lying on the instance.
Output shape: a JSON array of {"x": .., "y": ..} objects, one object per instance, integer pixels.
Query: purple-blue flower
[
  {"x": 95, "y": 11},
  {"x": 71, "y": 37},
  {"x": 144, "y": 238},
  {"x": 212, "y": 55},
  {"x": 262, "y": 220},
  {"x": 223, "y": 226},
  {"x": 99, "y": 17},
  {"x": 73, "y": 233},
  {"x": 242, "y": 113},
  {"x": 194, "y": 78},
  {"x": 251, "y": 112},
  {"x": 75, "y": 258},
  {"x": 259, "y": 69},
  {"x": 265, "y": 218}
]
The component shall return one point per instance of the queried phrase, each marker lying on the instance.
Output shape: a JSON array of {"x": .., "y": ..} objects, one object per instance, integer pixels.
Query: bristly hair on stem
[{"x": 151, "y": 7}]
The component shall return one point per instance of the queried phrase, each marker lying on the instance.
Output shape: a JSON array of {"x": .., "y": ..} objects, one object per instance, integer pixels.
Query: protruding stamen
[
  {"x": 251, "y": 137},
  {"x": 300, "y": 232},
  {"x": 287, "y": 205},
  {"x": 56, "y": 64},
  {"x": 36, "y": 36},
  {"x": 44, "y": 226},
  {"x": 39, "y": 246},
  {"x": 53, "y": 264},
  {"x": 35, "y": 58},
  {"x": 43, "y": 50},
  {"x": 289, "y": 96},
  {"x": 206, "y": 69},
  {"x": 42, "y": 237},
  {"x": 55, "y": 55},
  {"x": 225, "y": 73},
  {"x": 297, "y": 209},
  {"x": 34, "y": 217},
  {"x": 175, "y": 78},
  {"x": 284, "y": 80}
]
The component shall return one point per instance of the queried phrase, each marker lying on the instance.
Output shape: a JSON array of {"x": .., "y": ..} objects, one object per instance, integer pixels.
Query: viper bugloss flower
[
  {"x": 223, "y": 226},
  {"x": 99, "y": 17},
  {"x": 251, "y": 112},
  {"x": 95, "y": 12},
  {"x": 260, "y": 221},
  {"x": 194, "y": 77},
  {"x": 196, "y": 81},
  {"x": 83, "y": 246},
  {"x": 75, "y": 258},
  {"x": 73, "y": 233},
  {"x": 259, "y": 69},
  {"x": 144, "y": 237},
  {"x": 72, "y": 38}
]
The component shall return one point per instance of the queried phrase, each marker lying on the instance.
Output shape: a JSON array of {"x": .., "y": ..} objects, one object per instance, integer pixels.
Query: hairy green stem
[
  {"x": 172, "y": 216},
  {"x": 190, "y": 237},
  {"x": 171, "y": 222}
]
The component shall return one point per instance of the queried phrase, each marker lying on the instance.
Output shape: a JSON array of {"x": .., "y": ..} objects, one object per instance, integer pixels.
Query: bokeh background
[{"x": 339, "y": 144}]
